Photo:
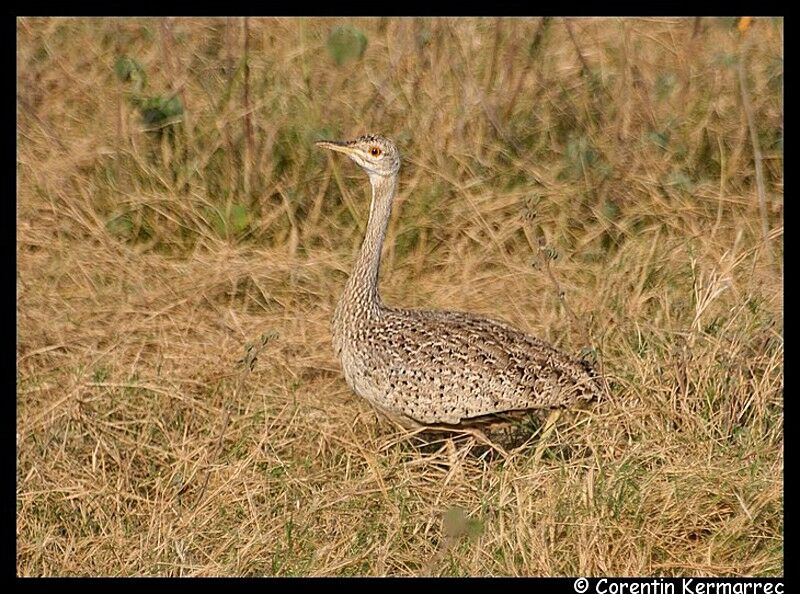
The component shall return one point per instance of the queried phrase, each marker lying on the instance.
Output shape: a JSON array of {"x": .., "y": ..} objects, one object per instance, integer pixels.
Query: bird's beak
[{"x": 334, "y": 145}]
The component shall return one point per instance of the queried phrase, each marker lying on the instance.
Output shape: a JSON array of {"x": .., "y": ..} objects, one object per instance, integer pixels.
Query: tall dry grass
[{"x": 172, "y": 210}]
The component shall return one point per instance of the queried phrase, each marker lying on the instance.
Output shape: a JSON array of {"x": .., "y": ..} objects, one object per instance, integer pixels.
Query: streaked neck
[{"x": 362, "y": 287}]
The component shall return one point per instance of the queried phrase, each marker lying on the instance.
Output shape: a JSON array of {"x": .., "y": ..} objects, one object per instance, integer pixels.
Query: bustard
[{"x": 427, "y": 368}]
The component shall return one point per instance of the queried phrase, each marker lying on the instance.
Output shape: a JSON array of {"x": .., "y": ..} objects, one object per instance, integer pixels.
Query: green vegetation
[{"x": 172, "y": 209}]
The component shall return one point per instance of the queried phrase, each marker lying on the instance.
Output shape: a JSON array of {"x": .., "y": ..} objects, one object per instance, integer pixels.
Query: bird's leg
[
  {"x": 549, "y": 425},
  {"x": 481, "y": 437},
  {"x": 478, "y": 435}
]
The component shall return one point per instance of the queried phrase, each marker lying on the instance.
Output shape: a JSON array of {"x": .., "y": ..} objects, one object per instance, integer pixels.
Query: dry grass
[{"x": 147, "y": 260}]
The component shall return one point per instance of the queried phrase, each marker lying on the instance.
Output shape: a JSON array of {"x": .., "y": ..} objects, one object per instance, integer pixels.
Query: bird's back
[{"x": 449, "y": 367}]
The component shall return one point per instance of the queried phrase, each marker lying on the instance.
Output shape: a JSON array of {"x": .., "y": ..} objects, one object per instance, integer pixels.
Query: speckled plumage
[{"x": 436, "y": 367}]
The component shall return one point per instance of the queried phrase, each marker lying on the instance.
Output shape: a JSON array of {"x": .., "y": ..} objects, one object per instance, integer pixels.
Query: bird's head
[{"x": 374, "y": 153}]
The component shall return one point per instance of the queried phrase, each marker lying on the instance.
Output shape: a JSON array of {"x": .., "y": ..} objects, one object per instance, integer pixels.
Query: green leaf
[
  {"x": 160, "y": 110},
  {"x": 611, "y": 210},
  {"x": 100, "y": 374},
  {"x": 346, "y": 43},
  {"x": 215, "y": 220},
  {"x": 538, "y": 38},
  {"x": 240, "y": 218},
  {"x": 129, "y": 70},
  {"x": 120, "y": 226},
  {"x": 581, "y": 155},
  {"x": 660, "y": 139}
]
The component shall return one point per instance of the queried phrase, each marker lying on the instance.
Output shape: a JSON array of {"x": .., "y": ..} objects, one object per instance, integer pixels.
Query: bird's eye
[{"x": 375, "y": 151}]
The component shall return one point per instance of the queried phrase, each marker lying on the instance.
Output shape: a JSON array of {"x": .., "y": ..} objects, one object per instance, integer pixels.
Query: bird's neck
[{"x": 361, "y": 291}]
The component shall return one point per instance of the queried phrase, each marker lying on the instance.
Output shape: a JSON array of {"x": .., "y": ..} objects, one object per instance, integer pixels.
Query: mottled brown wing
[{"x": 445, "y": 367}]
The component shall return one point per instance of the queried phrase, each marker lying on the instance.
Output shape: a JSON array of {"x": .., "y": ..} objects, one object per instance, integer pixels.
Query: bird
[{"x": 437, "y": 368}]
